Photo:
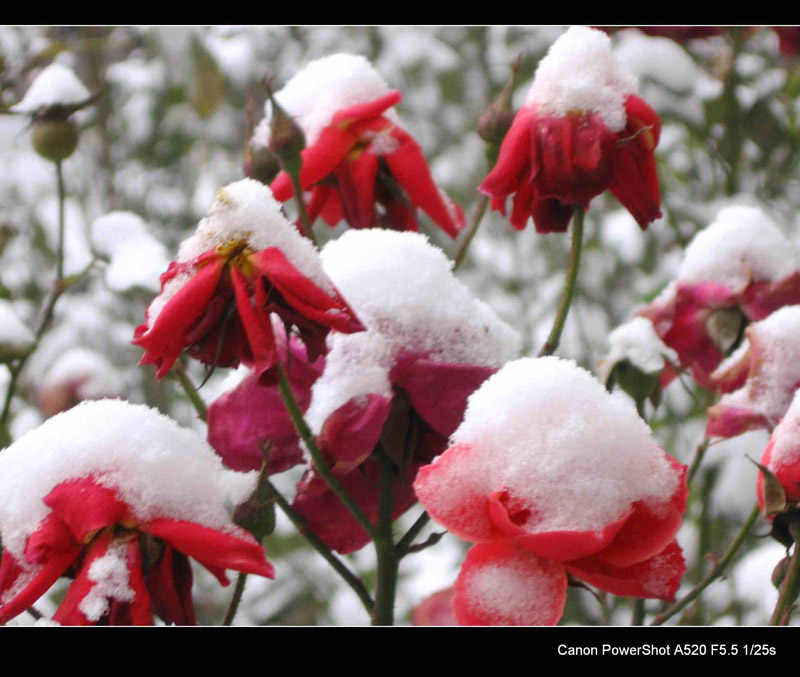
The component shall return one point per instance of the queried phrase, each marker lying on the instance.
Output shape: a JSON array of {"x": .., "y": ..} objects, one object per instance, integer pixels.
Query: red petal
[
  {"x": 86, "y": 506},
  {"x": 302, "y": 294},
  {"x": 504, "y": 584},
  {"x": 356, "y": 183},
  {"x": 166, "y": 339},
  {"x": 213, "y": 549},
  {"x": 410, "y": 170},
  {"x": 257, "y": 325},
  {"x": 436, "y": 609},
  {"x": 439, "y": 391},
  {"x": 328, "y": 518},
  {"x": 370, "y": 109},
  {"x": 468, "y": 516},
  {"x": 656, "y": 578},
  {"x": 649, "y": 530},
  {"x": 40, "y": 583},
  {"x": 513, "y": 158},
  {"x": 169, "y": 583}
]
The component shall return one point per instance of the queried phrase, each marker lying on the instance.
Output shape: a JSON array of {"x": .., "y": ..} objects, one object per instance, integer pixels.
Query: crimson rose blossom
[
  {"x": 582, "y": 131},
  {"x": 120, "y": 511},
  {"x": 551, "y": 475},
  {"x": 760, "y": 379},
  {"x": 737, "y": 270},
  {"x": 359, "y": 164},
  {"x": 402, "y": 384},
  {"x": 245, "y": 263}
]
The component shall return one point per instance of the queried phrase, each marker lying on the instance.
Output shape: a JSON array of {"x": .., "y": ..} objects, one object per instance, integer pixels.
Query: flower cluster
[
  {"x": 551, "y": 475},
  {"x": 401, "y": 385}
]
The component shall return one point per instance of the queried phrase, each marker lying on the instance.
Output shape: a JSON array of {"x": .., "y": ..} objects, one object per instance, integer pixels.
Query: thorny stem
[
  {"x": 712, "y": 575},
  {"x": 469, "y": 234},
  {"x": 241, "y": 580},
  {"x": 179, "y": 371},
  {"x": 569, "y": 285},
  {"x": 388, "y": 561},
  {"x": 320, "y": 465},
  {"x": 46, "y": 316},
  {"x": 340, "y": 567},
  {"x": 406, "y": 542},
  {"x": 783, "y": 608}
]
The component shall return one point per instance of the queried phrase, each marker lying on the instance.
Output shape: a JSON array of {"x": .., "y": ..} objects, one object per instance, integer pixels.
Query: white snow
[
  {"x": 14, "y": 334},
  {"x": 136, "y": 258},
  {"x": 657, "y": 58},
  {"x": 403, "y": 289},
  {"x": 245, "y": 211},
  {"x": 775, "y": 378},
  {"x": 157, "y": 467},
  {"x": 580, "y": 74},
  {"x": 742, "y": 243},
  {"x": 560, "y": 444},
  {"x": 111, "y": 579},
  {"x": 520, "y": 590},
  {"x": 87, "y": 371},
  {"x": 55, "y": 85},
  {"x": 637, "y": 342},
  {"x": 323, "y": 88}
]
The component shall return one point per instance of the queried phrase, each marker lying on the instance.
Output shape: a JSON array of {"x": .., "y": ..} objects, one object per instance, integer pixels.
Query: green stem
[
  {"x": 46, "y": 316},
  {"x": 340, "y": 567},
  {"x": 238, "y": 591},
  {"x": 712, "y": 575},
  {"x": 179, "y": 371},
  {"x": 308, "y": 227},
  {"x": 386, "y": 587},
  {"x": 320, "y": 465},
  {"x": 698, "y": 459},
  {"x": 783, "y": 609},
  {"x": 405, "y": 543},
  {"x": 569, "y": 285},
  {"x": 477, "y": 217}
]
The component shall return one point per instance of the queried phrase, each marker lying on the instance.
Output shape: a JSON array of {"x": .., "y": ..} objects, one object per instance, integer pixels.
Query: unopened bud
[
  {"x": 779, "y": 574},
  {"x": 286, "y": 139},
  {"x": 257, "y": 518},
  {"x": 774, "y": 495},
  {"x": 55, "y": 140},
  {"x": 260, "y": 164},
  {"x": 495, "y": 122}
]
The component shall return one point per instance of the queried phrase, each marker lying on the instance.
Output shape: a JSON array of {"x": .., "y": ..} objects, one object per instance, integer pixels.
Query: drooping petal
[
  {"x": 365, "y": 111},
  {"x": 658, "y": 577},
  {"x": 166, "y": 338},
  {"x": 503, "y": 584},
  {"x": 169, "y": 583},
  {"x": 38, "y": 583},
  {"x": 302, "y": 294},
  {"x": 257, "y": 326},
  {"x": 513, "y": 158},
  {"x": 213, "y": 549},
  {"x": 355, "y": 180},
  {"x": 635, "y": 179},
  {"x": 411, "y": 171}
]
